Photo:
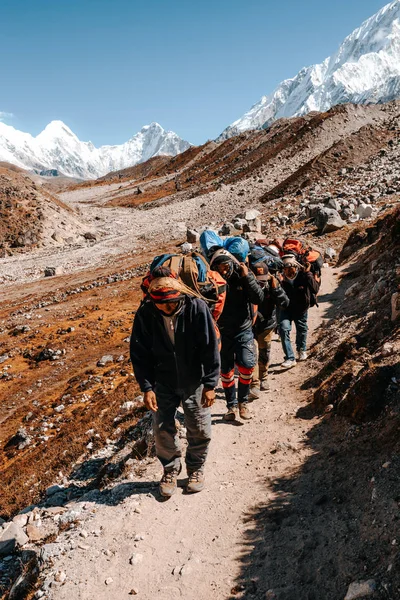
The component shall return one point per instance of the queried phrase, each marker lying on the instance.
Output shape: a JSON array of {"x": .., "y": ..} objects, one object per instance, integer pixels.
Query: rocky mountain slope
[
  {"x": 365, "y": 69},
  {"x": 57, "y": 150},
  {"x": 31, "y": 217}
]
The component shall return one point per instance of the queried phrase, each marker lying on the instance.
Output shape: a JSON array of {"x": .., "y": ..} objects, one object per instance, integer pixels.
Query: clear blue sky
[{"x": 108, "y": 67}]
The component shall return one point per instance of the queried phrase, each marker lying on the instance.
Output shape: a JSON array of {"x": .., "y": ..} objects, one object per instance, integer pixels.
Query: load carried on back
[
  {"x": 293, "y": 247},
  {"x": 194, "y": 271}
]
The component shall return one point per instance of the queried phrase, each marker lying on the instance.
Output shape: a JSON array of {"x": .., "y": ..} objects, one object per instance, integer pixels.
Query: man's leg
[
  {"x": 198, "y": 427},
  {"x": 264, "y": 353},
  {"x": 254, "y": 393},
  {"x": 301, "y": 334},
  {"x": 166, "y": 438},
  {"x": 285, "y": 327},
  {"x": 245, "y": 360},
  {"x": 228, "y": 372}
]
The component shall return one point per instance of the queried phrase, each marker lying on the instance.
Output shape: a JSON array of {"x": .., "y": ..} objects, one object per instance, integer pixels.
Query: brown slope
[{"x": 288, "y": 151}]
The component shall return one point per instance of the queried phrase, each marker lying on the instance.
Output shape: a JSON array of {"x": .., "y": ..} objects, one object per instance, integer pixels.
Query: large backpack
[
  {"x": 259, "y": 253},
  {"x": 303, "y": 254},
  {"x": 195, "y": 272}
]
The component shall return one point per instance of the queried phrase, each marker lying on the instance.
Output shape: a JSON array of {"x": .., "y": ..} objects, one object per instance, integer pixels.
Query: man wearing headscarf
[
  {"x": 301, "y": 287},
  {"x": 175, "y": 358},
  {"x": 265, "y": 325},
  {"x": 235, "y": 324}
]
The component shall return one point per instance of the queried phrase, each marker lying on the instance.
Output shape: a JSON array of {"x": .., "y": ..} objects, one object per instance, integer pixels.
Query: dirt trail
[{"x": 199, "y": 546}]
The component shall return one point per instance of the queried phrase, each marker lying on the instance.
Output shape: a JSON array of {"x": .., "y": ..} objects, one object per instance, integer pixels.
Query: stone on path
[{"x": 360, "y": 589}]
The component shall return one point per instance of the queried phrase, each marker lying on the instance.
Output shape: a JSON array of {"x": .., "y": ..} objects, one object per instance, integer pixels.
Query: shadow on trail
[{"x": 329, "y": 523}]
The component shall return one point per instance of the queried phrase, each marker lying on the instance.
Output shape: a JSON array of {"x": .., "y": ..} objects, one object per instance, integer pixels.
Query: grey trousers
[{"x": 197, "y": 423}]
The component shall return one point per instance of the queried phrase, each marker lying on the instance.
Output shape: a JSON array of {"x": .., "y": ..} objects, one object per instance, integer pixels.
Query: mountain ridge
[
  {"x": 365, "y": 68},
  {"x": 58, "y": 148}
]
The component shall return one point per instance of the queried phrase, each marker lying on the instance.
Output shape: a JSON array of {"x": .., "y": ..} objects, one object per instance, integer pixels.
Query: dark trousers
[
  {"x": 286, "y": 319},
  {"x": 197, "y": 423},
  {"x": 237, "y": 349}
]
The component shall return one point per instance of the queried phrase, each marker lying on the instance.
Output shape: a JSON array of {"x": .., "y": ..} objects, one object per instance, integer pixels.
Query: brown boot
[
  {"x": 254, "y": 393},
  {"x": 244, "y": 412},
  {"x": 232, "y": 414},
  {"x": 169, "y": 483},
  {"x": 195, "y": 483}
]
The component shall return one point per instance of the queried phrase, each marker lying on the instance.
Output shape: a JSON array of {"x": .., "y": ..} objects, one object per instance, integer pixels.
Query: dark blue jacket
[
  {"x": 194, "y": 359},
  {"x": 241, "y": 293}
]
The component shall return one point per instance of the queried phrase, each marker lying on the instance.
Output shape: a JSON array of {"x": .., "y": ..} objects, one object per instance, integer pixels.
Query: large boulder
[
  {"x": 328, "y": 219},
  {"x": 364, "y": 211},
  {"x": 192, "y": 236},
  {"x": 11, "y": 536}
]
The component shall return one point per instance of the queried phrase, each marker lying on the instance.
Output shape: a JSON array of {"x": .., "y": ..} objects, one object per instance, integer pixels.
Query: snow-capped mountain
[
  {"x": 366, "y": 68},
  {"x": 58, "y": 148}
]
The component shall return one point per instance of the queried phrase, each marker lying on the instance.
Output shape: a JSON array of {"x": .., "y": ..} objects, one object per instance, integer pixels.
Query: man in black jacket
[
  {"x": 235, "y": 324},
  {"x": 265, "y": 325},
  {"x": 175, "y": 358},
  {"x": 301, "y": 287}
]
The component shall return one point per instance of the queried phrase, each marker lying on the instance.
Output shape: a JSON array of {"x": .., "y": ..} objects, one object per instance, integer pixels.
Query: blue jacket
[{"x": 194, "y": 359}]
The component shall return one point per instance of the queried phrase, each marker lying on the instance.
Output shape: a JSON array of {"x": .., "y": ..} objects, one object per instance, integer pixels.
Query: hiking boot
[
  {"x": 254, "y": 393},
  {"x": 195, "y": 482},
  {"x": 169, "y": 483},
  {"x": 289, "y": 363},
  {"x": 302, "y": 355},
  {"x": 244, "y": 412},
  {"x": 232, "y": 414},
  {"x": 264, "y": 386}
]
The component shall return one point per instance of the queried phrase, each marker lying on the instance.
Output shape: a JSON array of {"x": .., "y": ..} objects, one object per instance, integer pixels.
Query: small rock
[
  {"x": 107, "y": 358},
  {"x": 136, "y": 559},
  {"x": 84, "y": 533},
  {"x": 53, "y": 489},
  {"x": 20, "y": 520},
  {"x": 387, "y": 349},
  {"x": 330, "y": 253},
  {"x": 251, "y": 214},
  {"x": 90, "y": 236},
  {"x": 134, "y": 592},
  {"x": 35, "y": 534},
  {"x": 61, "y": 576},
  {"x": 360, "y": 589},
  {"x": 52, "y": 271},
  {"x": 109, "y": 581},
  {"x": 192, "y": 236},
  {"x": 364, "y": 211}
]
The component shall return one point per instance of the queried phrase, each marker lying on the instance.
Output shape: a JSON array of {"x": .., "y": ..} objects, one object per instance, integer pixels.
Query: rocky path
[{"x": 128, "y": 542}]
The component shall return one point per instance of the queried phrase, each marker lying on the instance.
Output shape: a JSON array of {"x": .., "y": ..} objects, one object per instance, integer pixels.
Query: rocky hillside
[{"x": 31, "y": 217}]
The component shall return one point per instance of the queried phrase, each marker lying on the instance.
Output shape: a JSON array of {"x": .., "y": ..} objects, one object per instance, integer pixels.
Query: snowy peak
[
  {"x": 58, "y": 148},
  {"x": 366, "y": 68}
]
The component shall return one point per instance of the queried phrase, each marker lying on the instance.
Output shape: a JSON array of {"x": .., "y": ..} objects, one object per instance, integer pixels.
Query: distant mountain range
[
  {"x": 58, "y": 150},
  {"x": 365, "y": 69}
]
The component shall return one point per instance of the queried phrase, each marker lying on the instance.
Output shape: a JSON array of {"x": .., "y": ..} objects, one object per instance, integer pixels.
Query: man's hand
[
  {"x": 150, "y": 401},
  {"x": 207, "y": 398},
  {"x": 307, "y": 267},
  {"x": 243, "y": 270},
  {"x": 274, "y": 282}
]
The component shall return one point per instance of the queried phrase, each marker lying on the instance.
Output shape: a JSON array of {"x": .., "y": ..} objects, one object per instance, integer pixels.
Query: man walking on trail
[
  {"x": 175, "y": 358},
  {"x": 265, "y": 325},
  {"x": 301, "y": 287},
  {"x": 235, "y": 324}
]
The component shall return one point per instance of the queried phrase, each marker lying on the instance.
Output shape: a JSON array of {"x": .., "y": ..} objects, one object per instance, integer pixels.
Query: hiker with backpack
[
  {"x": 266, "y": 322},
  {"x": 301, "y": 286},
  {"x": 175, "y": 357},
  {"x": 235, "y": 323}
]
